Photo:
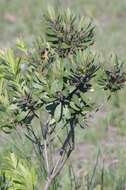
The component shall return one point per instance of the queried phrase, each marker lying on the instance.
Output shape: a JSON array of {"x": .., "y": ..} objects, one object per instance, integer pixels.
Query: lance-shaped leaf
[{"x": 58, "y": 112}]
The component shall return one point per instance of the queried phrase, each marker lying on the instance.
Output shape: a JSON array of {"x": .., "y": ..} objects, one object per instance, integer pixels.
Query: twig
[{"x": 46, "y": 156}]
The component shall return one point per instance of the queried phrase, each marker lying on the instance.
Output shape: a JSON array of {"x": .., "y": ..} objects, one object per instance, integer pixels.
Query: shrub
[{"x": 51, "y": 84}]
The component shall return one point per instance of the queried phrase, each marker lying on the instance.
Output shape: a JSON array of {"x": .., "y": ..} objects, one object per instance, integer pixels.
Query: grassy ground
[{"x": 107, "y": 131}]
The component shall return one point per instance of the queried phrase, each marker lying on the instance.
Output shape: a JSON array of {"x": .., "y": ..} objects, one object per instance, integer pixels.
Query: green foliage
[
  {"x": 114, "y": 79},
  {"x": 68, "y": 33},
  {"x": 31, "y": 80},
  {"x": 22, "y": 174},
  {"x": 5, "y": 184},
  {"x": 53, "y": 78},
  {"x": 64, "y": 97}
]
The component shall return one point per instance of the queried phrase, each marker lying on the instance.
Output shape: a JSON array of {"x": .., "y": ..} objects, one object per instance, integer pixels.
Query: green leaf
[
  {"x": 6, "y": 128},
  {"x": 14, "y": 160},
  {"x": 11, "y": 59},
  {"x": 51, "y": 107},
  {"x": 73, "y": 106},
  {"x": 21, "y": 45},
  {"x": 57, "y": 86},
  {"x": 72, "y": 88},
  {"x": 81, "y": 121},
  {"x": 58, "y": 112},
  {"x": 66, "y": 112},
  {"x": 21, "y": 116},
  {"x": 75, "y": 99},
  {"x": 2, "y": 108},
  {"x": 52, "y": 122},
  {"x": 29, "y": 119}
]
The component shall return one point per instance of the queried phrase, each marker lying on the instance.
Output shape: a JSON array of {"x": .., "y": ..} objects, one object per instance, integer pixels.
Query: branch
[{"x": 65, "y": 152}]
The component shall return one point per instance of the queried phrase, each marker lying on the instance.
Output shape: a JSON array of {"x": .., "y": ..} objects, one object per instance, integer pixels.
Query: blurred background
[
  {"x": 23, "y": 19},
  {"x": 107, "y": 130}
]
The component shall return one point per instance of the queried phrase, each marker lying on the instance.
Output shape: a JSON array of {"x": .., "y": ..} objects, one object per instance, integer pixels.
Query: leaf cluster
[
  {"x": 68, "y": 33},
  {"x": 5, "y": 183},
  {"x": 113, "y": 79},
  {"x": 22, "y": 176}
]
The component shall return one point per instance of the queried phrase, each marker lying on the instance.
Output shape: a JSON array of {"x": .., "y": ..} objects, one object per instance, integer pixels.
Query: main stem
[
  {"x": 48, "y": 183},
  {"x": 67, "y": 149}
]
